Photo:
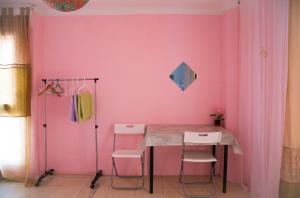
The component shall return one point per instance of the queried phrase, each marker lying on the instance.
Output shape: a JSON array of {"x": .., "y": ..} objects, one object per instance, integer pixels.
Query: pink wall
[
  {"x": 230, "y": 79},
  {"x": 133, "y": 56}
]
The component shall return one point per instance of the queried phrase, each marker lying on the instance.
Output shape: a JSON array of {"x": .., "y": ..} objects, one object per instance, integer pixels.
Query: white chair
[
  {"x": 199, "y": 156},
  {"x": 135, "y": 153}
]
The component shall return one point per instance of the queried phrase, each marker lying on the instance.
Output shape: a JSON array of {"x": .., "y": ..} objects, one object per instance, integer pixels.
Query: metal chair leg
[
  {"x": 114, "y": 168},
  {"x": 180, "y": 174},
  {"x": 182, "y": 179},
  {"x": 195, "y": 182},
  {"x": 213, "y": 182}
]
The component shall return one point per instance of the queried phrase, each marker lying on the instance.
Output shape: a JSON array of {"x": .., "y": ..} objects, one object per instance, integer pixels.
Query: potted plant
[{"x": 218, "y": 118}]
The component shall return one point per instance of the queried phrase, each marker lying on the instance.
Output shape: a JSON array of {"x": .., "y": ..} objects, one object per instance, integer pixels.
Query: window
[
  {"x": 6, "y": 76},
  {"x": 12, "y": 141},
  {"x": 7, "y": 50},
  {"x": 12, "y": 136}
]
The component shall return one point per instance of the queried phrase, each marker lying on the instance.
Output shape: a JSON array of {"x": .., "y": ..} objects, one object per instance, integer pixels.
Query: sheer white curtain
[
  {"x": 12, "y": 147},
  {"x": 263, "y": 82}
]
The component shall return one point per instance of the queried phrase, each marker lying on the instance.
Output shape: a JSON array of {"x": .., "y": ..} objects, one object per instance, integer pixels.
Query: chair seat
[
  {"x": 127, "y": 153},
  {"x": 198, "y": 156}
]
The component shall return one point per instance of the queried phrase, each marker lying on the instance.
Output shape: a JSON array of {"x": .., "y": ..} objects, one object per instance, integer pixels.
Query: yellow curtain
[
  {"x": 15, "y": 94},
  {"x": 290, "y": 168}
]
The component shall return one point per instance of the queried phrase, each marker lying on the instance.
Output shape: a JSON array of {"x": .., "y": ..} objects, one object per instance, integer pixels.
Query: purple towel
[{"x": 74, "y": 116}]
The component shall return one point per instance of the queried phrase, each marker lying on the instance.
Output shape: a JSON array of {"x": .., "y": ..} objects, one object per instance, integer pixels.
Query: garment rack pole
[
  {"x": 50, "y": 171},
  {"x": 45, "y": 131},
  {"x": 98, "y": 172}
]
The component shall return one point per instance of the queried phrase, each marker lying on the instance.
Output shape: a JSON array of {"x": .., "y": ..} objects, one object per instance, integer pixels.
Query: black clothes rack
[{"x": 51, "y": 171}]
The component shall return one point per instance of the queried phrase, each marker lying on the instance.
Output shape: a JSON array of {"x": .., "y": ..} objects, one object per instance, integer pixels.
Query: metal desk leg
[
  {"x": 225, "y": 168},
  {"x": 151, "y": 170},
  {"x": 214, "y": 163}
]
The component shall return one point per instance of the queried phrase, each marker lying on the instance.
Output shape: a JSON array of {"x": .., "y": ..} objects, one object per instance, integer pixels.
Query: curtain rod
[{"x": 16, "y": 5}]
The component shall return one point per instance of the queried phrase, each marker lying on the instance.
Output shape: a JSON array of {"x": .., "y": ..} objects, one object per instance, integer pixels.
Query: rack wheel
[{"x": 51, "y": 171}]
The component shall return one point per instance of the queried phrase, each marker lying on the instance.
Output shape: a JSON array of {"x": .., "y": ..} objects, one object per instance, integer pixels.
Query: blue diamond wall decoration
[{"x": 183, "y": 76}]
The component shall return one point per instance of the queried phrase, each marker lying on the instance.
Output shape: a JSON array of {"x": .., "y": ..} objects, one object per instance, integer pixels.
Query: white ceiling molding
[{"x": 133, "y": 7}]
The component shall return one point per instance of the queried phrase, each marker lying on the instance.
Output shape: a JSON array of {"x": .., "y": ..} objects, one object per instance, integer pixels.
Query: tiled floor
[{"x": 66, "y": 186}]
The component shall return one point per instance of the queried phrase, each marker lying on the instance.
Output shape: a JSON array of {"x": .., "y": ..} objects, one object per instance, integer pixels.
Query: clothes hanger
[
  {"x": 70, "y": 89},
  {"x": 53, "y": 90},
  {"x": 74, "y": 88},
  {"x": 50, "y": 88},
  {"x": 84, "y": 85},
  {"x": 58, "y": 88},
  {"x": 47, "y": 88},
  {"x": 66, "y": 92}
]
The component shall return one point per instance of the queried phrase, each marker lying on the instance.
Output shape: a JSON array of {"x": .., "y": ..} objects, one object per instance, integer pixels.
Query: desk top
[{"x": 172, "y": 135}]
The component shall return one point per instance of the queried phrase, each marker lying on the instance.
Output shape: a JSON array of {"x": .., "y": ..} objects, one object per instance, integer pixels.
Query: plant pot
[{"x": 218, "y": 122}]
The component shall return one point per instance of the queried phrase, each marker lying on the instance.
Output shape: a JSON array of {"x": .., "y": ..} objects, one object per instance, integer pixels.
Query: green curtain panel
[{"x": 15, "y": 68}]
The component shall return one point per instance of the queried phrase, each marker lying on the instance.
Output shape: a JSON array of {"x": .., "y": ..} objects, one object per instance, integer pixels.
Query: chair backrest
[
  {"x": 202, "y": 137},
  {"x": 128, "y": 129}
]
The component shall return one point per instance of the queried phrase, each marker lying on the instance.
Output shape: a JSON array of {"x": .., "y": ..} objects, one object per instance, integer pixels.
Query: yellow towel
[{"x": 84, "y": 106}]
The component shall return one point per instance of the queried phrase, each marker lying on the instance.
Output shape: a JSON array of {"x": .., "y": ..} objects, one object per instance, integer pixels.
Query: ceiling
[{"x": 115, "y": 7}]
